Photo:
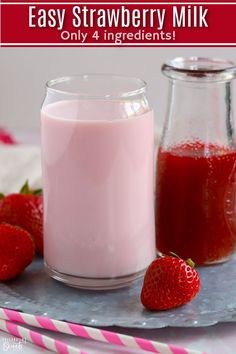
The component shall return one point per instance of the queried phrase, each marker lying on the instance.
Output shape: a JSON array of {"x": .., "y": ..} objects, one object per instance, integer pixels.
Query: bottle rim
[
  {"x": 97, "y": 86},
  {"x": 197, "y": 69}
]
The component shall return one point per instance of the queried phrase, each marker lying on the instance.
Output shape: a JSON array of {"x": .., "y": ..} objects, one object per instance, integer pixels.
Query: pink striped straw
[
  {"x": 93, "y": 333},
  {"x": 39, "y": 339}
]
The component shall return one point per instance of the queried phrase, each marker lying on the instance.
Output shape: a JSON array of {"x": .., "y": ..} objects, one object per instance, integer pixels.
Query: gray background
[{"x": 24, "y": 71}]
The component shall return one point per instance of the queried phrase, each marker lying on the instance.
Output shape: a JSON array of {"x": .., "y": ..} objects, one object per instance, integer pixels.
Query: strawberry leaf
[
  {"x": 25, "y": 188},
  {"x": 2, "y": 195},
  {"x": 38, "y": 191}
]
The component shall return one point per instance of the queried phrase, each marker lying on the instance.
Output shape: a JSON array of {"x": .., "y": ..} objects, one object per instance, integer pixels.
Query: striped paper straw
[
  {"x": 39, "y": 339},
  {"x": 93, "y": 333}
]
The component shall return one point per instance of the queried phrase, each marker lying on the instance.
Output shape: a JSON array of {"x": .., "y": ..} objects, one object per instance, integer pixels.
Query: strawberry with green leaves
[
  {"x": 25, "y": 209},
  {"x": 169, "y": 282}
]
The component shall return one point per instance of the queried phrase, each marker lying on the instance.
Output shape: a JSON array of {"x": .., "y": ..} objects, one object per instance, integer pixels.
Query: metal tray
[{"x": 36, "y": 293}]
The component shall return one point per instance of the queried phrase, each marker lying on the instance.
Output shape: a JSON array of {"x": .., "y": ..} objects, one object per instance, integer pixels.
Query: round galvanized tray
[{"x": 36, "y": 293}]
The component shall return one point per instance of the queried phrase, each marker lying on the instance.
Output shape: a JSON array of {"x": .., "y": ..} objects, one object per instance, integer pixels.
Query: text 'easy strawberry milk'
[{"x": 98, "y": 191}]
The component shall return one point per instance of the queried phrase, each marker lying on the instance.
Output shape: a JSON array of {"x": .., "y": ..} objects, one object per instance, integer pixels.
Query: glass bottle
[
  {"x": 195, "y": 184},
  {"x": 97, "y": 154}
]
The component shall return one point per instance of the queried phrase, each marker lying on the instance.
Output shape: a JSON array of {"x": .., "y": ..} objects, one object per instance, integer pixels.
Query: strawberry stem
[
  {"x": 190, "y": 262},
  {"x": 174, "y": 254},
  {"x": 1, "y": 195}
]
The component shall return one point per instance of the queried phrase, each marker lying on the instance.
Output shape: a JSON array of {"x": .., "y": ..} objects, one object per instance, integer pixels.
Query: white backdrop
[{"x": 24, "y": 71}]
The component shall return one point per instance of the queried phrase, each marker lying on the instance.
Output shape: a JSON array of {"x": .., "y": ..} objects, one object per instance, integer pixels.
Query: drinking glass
[{"x": 98, "y": 180}]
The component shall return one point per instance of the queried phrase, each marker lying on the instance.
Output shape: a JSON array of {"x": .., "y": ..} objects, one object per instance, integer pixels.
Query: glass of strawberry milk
[{"x": 97, "y": 157}]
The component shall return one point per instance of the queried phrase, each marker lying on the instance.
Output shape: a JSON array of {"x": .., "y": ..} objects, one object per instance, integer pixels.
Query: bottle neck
[{"x": 199, "y": 112}]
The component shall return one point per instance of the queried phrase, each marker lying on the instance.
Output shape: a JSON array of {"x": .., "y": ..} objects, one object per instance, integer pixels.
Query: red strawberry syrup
[{"x": 196, "y": 204}]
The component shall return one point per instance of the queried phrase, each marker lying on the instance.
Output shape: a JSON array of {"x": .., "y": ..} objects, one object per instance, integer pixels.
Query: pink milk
[{"x": 98, "y": 189}]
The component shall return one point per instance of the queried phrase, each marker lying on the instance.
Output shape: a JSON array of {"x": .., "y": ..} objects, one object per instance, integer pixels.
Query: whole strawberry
[
  {"x": 16, "y": 251},
  {"x": 6, "y": 138},
  {"x": 24, "y": 209},
  {"x": 169, "y": 282}
]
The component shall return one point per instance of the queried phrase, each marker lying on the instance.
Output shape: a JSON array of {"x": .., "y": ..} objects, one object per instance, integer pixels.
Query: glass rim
[
  {"x": 140, "y": 84},
  {"x": 195, "y": 68}
]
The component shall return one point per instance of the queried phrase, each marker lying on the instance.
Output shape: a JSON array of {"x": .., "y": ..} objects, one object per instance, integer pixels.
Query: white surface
[
  {"x": 21, "y": 163},
  {"x": 24, "y": 71}
]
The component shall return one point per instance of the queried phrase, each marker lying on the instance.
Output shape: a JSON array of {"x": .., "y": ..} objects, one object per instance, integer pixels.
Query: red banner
[{"x": 117, "y": 24}]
